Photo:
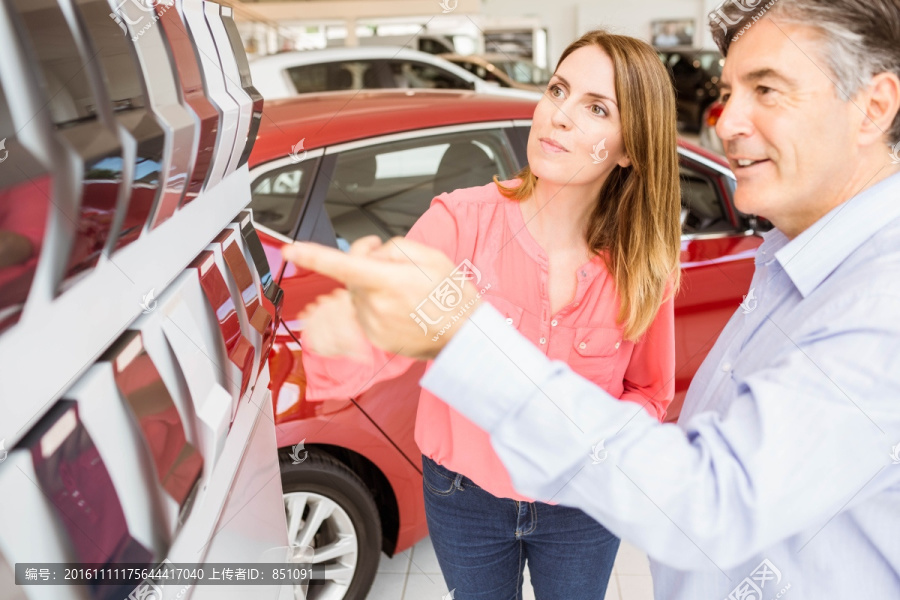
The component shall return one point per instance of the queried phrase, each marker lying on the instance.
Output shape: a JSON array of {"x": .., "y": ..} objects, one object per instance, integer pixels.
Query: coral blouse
[{"x": 485, "y": 227}]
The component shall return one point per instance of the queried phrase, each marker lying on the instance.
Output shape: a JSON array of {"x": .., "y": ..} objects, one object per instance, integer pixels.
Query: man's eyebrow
[
  {"x": 594, "y": 94},
  {"x": 764, "y": 73}
]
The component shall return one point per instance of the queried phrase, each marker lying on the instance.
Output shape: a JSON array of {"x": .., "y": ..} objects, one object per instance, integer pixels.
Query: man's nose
[{"x": 735, "y": 120}]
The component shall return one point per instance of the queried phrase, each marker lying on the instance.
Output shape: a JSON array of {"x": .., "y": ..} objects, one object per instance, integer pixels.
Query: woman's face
[{"x": 576, "y": 133}]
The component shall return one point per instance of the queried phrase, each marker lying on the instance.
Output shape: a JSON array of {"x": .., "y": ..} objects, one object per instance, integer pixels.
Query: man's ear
[{"x": 880, "y": 102}]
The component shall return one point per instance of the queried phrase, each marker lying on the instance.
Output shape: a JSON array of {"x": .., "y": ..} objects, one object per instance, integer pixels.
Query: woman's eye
[
  {"x": 556, "y": 91},
  {"x": 724, "y": 98},
  {"x": 598, "y": 110}
]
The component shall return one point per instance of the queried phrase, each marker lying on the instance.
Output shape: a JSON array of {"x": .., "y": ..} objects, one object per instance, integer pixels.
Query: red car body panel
[
  {"x": 379, "y": 426},
  {"x": 332, "y": 118},
  {"x": 366, "y": 428}
]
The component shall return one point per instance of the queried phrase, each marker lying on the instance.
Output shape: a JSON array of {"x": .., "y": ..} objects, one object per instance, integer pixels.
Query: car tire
[{"x": 319, "y": 484}]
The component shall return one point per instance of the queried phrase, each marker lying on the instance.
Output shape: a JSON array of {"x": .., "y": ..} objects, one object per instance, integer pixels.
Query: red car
[{"x": 334, "y": 167}]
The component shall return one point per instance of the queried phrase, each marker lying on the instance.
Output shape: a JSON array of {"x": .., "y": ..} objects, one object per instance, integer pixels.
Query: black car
[{"x": 695, "y": 74}]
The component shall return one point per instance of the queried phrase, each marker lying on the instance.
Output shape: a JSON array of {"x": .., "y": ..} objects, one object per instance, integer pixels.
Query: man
[{"x": 780, "y": 479}]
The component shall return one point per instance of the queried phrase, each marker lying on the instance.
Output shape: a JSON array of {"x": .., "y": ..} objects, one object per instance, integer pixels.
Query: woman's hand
[
  {"x": 331, "y": 327},
  {"x": 389, "y": 283}
]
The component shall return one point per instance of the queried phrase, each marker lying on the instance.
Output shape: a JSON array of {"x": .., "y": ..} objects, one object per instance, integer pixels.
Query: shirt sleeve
[
  {"x": 650, "y": 377},
  {"x": 794, "y": 448},
  {"x": 339, "y": 377}
]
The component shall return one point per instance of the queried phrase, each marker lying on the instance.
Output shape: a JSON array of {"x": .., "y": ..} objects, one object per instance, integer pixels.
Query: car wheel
[{"x": 329, "y": 509}]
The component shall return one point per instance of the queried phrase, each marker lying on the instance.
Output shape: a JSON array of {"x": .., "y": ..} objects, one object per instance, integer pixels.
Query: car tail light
[
  {"x": 232, "y": 75},
  {"x": 259, "y": 320},
  {"x": 192, "y": 89},
  {"x": 713, "y": 113},
  {"x": 25, "y": 192},
  {"x": 240, "y": 55},
  {"x": 177, "y": 462},
  {"x": 272, "y": 294},
  {"x": 72, "y": 475},
  {"x": 114, "y": 61},
  {"x": 90, "y": 152},
  {"x": 237, "y": 348},
  {"x": 195, "y": 347},
  {"x": 214, "y": 83},
  {"x": 166, "y": 105}
]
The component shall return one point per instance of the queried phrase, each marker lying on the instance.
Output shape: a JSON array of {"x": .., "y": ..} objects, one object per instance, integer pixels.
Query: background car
[
  {"x": 695, "y": 74},
  {"x": 709, "y": 139},
  {"x": 372, "y": 67},
  {"x": 334, "y": 167},
  {"x": 504, "y": 70}
]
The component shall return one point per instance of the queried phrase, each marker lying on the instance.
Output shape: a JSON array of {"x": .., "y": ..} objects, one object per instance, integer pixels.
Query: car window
[
  {"x": 481, "y": 72},
  {"x": 383, "y": 189},
  {"x": 701, "y": 207},
  {"x": 420, "y": 75},
  {"x": 325, "y": 77},
  {"x": 276, "y": 196},
  {"x": 432, "y": 46},
  {"x": 524, "y": 72}
]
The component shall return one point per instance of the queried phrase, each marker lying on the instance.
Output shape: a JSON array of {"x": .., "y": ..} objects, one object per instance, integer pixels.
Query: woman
[{"x": 581, "y": 254}]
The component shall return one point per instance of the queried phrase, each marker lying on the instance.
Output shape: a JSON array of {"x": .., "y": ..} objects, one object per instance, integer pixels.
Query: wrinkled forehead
[{"x": 790, "y": 53}]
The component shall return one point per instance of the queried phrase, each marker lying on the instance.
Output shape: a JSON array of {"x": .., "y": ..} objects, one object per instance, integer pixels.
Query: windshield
[{"x": 524, "y": 71}]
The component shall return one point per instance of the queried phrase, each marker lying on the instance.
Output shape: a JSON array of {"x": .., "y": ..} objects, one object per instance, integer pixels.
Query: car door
[
  {"x": 414, "y": 74},
  {"x": 717, "y": 253}
]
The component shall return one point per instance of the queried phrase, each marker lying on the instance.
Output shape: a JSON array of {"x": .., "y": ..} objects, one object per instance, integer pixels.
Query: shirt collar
[{"x": 813, "y": 255}]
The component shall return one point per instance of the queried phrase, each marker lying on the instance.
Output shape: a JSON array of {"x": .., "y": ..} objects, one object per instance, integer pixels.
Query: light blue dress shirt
[{"x": 782, "y": 477}]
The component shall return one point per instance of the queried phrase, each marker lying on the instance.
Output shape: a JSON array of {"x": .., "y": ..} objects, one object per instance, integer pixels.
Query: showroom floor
[{"x": 415, "y": 575}]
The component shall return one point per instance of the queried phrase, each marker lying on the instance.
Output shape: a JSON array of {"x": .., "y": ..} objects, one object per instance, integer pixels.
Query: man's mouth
[{"x": 745, "y": 163}]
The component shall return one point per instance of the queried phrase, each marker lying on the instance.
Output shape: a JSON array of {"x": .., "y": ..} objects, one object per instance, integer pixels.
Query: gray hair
[{"x": 861, "y": 38}]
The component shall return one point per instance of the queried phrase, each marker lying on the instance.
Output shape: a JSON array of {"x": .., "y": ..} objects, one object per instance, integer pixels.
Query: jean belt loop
[{"x": 457, "y": 483}]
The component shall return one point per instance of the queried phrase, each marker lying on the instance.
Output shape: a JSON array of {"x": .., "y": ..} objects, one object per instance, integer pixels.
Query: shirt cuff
[{"x": 488, "y": 370}]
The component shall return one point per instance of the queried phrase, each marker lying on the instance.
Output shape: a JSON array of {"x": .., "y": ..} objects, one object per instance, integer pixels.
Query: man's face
[{"x": 787, "y": 135}]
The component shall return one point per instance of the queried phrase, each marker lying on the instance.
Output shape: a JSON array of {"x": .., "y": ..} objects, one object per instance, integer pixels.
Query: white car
[{"x": 308, "y": 71}]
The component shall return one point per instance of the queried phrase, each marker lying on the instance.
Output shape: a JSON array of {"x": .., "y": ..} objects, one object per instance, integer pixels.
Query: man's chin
[{"x": 748, "y": 199}]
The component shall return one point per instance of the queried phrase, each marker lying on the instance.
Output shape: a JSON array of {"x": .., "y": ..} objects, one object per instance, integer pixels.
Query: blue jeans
[{"x": 482, "y": 543}]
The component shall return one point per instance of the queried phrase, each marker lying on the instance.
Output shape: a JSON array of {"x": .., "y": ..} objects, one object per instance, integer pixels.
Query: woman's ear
[{"x": 624, "y": 161}]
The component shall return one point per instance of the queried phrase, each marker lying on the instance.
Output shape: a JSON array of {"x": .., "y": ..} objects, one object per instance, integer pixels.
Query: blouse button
[
  {"x": 553, "y": 323},
  {"x": 617, "y": 344},
  {"x": 543, "y": 341},
  {"x": 509, "y": 320},
  {"x": 582, "y": 345}
]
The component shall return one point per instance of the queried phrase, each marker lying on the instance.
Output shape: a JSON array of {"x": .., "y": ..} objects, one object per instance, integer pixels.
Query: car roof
[
  {"x": 329, "y": 118},
  {"x": 483, "y": 58},
  {"x": 311, "y": 57}
]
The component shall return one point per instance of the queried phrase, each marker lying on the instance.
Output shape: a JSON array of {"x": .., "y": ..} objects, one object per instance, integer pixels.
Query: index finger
[{"x": 351, "y": 270}]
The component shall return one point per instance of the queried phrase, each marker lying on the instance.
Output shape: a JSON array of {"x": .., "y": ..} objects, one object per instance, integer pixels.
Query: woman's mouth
[{"x": 551, "y": 146}]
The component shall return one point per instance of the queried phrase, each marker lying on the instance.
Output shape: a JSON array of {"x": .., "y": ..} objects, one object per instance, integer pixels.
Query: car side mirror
[{"x": 758, "y": 224}]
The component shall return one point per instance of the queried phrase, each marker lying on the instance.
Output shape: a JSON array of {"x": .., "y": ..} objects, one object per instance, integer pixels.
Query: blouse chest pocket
[
  {"x": 510, "y": 312},
  {"x": 594, "y": 353}
]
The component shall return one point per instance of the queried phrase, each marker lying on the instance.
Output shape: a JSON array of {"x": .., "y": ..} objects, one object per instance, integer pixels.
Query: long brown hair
[{"x": 636, "y": 220}]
